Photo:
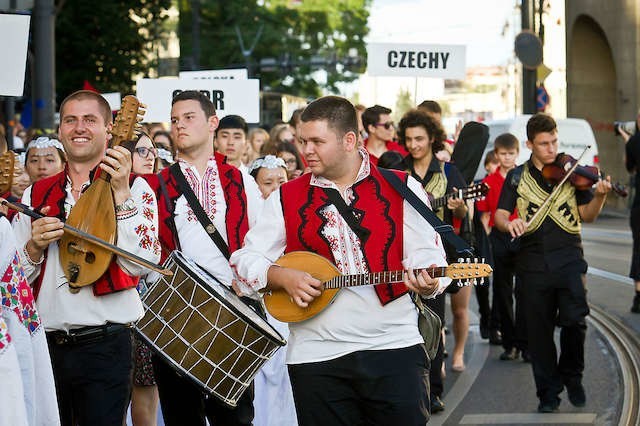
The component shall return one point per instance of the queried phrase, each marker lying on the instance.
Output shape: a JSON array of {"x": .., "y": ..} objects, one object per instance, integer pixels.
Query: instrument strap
[
  {"x": 347, "y": 213},
  {"x": 205, "y": 221},
  {"x": 445, "y": 230}
]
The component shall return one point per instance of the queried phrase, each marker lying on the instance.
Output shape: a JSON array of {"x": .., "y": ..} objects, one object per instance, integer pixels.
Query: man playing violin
[
  {"x": 362, "y": 359},
  {"x": 89, "y": 328},
  {"x": 551, "y": 262}
]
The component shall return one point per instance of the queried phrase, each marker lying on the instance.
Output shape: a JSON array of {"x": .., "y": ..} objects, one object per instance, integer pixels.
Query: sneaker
[
  {"x": 635, "y": 308},
  {"x": 577, "y": 398},
  {"x": 510, "y": 355},
  {"x": 484, "y": 332},
  {"x": 436, "y": 404},
  {"x": 548, "y": 406}
]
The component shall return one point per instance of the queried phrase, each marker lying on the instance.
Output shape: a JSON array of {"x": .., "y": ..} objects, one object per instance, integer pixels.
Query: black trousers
[
  {"x": 385, "y": 387},
  {"x": 435, "y": 374},
  {"x": 513, "y": 324},
  {"x": 184, "y": 403},
  {"x": 556, "y": 298},
  {"x": 93, "y": 379}
]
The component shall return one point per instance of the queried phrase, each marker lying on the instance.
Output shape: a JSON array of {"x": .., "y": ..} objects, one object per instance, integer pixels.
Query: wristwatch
[{"x": 128, "y": 205}]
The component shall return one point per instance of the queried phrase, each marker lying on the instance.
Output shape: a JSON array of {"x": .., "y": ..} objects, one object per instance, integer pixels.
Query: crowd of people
[{"x": 313, "y": 184}]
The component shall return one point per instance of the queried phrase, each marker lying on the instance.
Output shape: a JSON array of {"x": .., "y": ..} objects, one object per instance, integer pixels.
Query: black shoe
[
  {"x": 577, "y": 398},
  {"x": 495, "y": 338},
  {"x": 526, "y": 357},
  {"x": 635, "y": 308},
  {"x": 510, "y": 355},
  {"x": 436, "y": 404},
  {"x": 484, "y": 332},
  {"x": 548, "y": 406}
]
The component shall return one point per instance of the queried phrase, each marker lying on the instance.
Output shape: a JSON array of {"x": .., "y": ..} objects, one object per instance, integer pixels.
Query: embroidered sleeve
[
  {"x": 422, "y": 245},
  {"x": 22, "y": 231},
  {"x": 138, "y": 233},
  {"x": 263, "y": 245}
]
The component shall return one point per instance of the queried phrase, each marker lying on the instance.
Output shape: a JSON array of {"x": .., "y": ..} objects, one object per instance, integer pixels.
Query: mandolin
[
  {"x": 7, "y": 169},
  {"x": 282, "y": 308},
  {"x": 94, "y": 213},
  {"x": 472, "y": 192}
]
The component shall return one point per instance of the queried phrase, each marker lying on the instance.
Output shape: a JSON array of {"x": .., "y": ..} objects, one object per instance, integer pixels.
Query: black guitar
[{"x": 475, "y": 192}]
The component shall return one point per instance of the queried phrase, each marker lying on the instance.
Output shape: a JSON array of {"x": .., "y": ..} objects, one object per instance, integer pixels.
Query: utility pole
[
  {"x": 246, "y": 53},
  {"x": 43, "y": 98},
  {"x": 528, "y": 75},
  {"x": 195, "y": 35}
]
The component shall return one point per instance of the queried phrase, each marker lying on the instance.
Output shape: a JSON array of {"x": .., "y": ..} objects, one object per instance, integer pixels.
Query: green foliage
[
  {"x": 404, "y": 102},
  {"x": 290, "y": 32},
  {"x": 106, "y": 42}
]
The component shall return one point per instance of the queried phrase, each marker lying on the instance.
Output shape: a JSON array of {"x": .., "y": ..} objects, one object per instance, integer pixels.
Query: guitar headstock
[
  {"x": 476, "y": 191},
  {"x": 468, "y": 273},
  {"x": 7, "y": 170},
  {"x": 127, "y": 121}
]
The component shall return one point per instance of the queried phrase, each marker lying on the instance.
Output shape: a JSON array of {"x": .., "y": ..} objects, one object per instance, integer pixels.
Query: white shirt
[
  {"x": 62, "y": 310},
  {"x": 195, "y": 243},
  {"x": 356, "y": 320}
]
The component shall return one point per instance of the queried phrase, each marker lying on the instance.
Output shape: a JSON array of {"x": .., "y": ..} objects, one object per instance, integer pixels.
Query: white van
[{"x": 574, "y": 135}]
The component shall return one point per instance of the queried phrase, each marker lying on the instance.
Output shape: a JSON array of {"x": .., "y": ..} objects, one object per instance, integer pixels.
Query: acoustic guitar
[
  {"x": 471, "y": 192},
  {"x": 282, "y": 308}
]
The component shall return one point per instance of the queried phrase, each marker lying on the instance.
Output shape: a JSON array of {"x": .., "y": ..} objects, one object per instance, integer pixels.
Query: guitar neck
[
  {"x": 374, "y": 278},
  {"x": 441, "y": 202}
]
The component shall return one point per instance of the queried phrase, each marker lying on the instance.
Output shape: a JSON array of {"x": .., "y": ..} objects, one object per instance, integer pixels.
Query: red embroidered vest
[
  {"x": 379, "y": 208},
  {"x": 236, "y": 218},
  {"x": 51, "y": 192}
]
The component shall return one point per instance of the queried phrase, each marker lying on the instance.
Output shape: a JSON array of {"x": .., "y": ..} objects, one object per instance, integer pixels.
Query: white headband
[
  {"x": 165, "y": 155},
  {"x": 45, "y": 142},
  {"x": 268, "y": 162}
]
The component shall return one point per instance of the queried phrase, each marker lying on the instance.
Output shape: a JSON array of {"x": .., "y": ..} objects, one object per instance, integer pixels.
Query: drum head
[{"x": 228, "y": 297}]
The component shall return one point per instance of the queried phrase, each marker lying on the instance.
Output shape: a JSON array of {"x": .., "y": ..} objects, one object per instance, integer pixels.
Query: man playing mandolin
[
  {"x": 550, "y": 262},
  {"x": 89, "y": 328},
  {"x": 361, "y": 359}
]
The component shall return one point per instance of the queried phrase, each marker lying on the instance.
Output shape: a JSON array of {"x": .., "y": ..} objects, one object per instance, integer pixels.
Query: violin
[
  {"x": 84, "y": 262},
  {"x": 583, "y": 177}
]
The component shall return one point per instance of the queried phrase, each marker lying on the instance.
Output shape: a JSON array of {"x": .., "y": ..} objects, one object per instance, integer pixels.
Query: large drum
[{"x": 205, "y": 331}]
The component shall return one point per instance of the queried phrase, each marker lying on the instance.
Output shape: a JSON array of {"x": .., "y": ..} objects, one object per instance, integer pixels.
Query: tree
[
  {"x": 107, "y": 43},
  {"x": 404, "y": 102},
  {"x": 302, "y": 37}
]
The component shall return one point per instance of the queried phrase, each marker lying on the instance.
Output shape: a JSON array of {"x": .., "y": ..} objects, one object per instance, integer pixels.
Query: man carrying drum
[
  {"x": 361, "y": 359},
  {"x": 228, "y": 204}
]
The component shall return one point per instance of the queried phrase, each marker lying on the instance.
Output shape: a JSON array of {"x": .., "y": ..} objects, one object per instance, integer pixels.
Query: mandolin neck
[{"x": 374, "y": 278}]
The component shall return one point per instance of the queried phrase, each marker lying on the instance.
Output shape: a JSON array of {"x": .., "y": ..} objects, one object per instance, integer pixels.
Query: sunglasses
[
  {"x": 145, "y": 152},
  {"x": 387, "y": 125}
]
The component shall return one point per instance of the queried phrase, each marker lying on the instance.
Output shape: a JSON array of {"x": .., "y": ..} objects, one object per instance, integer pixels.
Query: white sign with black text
[
  {"x": 416, "y": 60},
  {"x": 230, "y": 74},
  {"x": 14, "y": 33},
  {"x": 240, "y": 97}
]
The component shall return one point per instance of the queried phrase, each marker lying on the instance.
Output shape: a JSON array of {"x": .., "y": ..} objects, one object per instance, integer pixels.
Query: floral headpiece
[
  {"x": 268, "y": 162},
  {"x": 44, "y": 142}
]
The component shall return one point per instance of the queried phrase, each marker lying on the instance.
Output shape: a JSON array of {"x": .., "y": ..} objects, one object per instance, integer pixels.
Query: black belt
[{"x": 85, "y": 335}]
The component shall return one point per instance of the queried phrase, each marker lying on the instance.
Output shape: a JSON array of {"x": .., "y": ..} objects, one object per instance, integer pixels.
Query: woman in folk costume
[{"x": 21, "y": 333}]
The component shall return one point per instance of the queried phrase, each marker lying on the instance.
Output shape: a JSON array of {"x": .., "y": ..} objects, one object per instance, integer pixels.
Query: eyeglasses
[
  {"x": 387, "y": 125},
  {"x": 145, "y": 152}
]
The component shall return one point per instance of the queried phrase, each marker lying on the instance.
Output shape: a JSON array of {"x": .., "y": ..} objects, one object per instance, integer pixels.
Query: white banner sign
[
  {"x": 232, "y": 74},
  {"x": 416, "y": 60},
  {"x": 114, "y": 99},
  {"x": 14, "y": 33},
  {"x": 240, "y": 97}
]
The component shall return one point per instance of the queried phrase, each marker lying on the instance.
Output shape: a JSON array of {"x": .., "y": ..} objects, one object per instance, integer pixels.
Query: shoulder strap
[
  {"x": 206, "y": 223},
  {"x": 446, "y": 231},
  {"x": 347, "y": 213}
]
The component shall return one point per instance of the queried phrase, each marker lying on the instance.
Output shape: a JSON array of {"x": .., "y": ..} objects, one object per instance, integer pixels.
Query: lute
[{"x": 282, "y": 308}]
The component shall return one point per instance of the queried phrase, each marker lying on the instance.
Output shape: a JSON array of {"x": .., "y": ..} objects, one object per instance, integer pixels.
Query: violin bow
[
  {"x": 19, "y": 207},
  {"x": 555, "y": 191}
]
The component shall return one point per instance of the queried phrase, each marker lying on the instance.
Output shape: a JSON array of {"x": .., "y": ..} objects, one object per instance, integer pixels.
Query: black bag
[{"x": 429, "y": 325}]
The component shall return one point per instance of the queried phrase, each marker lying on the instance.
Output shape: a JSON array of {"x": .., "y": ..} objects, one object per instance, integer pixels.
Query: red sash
[
  {"x": 236, "y": 216},
  {"x": 380, "y": 209},
  {"x": 52, "y": 192}
]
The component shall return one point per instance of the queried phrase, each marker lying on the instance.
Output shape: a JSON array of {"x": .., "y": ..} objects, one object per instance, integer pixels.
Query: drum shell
[{"x": 205, "y": 331}]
